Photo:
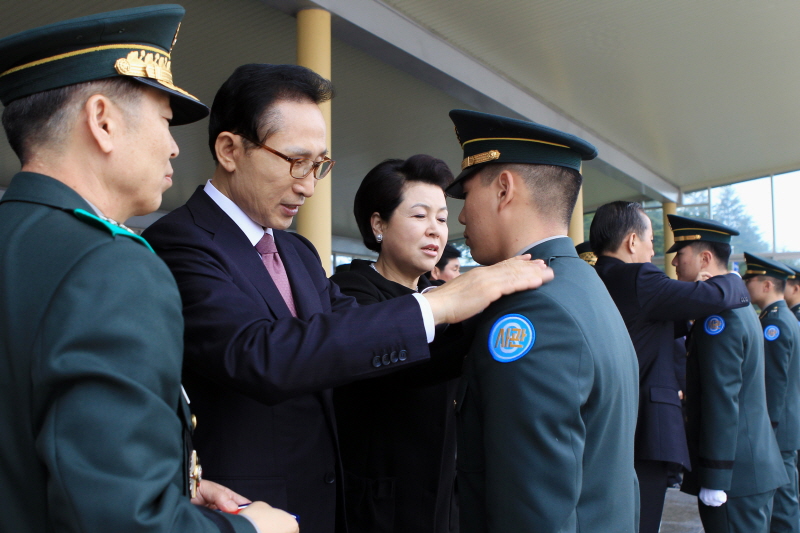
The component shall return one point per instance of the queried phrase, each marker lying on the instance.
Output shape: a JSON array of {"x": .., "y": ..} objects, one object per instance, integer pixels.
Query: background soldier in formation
[
  {"x": 766, "y": 281},
  {"x": 736, "y": 465}
]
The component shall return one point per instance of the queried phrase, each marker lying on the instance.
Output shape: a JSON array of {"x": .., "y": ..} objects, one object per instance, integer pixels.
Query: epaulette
[{"x": 111, "y": 227}]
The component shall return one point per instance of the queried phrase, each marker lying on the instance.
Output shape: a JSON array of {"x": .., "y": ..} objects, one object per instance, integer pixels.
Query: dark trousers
[
  {"x": 785, "y": 509},
  {"x": 653, "y": 482},
  {"x": 745, "y": 514}
]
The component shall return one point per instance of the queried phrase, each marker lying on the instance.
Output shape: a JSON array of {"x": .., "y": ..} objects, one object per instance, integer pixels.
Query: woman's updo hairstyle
[{"x": 381, "y": 190}]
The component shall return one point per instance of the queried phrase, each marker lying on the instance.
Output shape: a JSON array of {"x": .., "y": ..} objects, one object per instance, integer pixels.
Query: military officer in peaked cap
[
  {"x": 766, "y": 281},
  {"x": 94, "y": 422},
  {"x": 547, "y": 405},
  {"x": 792, "y": 292},
  {"x": 736, "y": 465}
]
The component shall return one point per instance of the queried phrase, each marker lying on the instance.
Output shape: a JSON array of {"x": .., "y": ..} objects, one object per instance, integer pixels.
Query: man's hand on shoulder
[
  {"x": 704, "y": 276},
  {"x": 472, "y": 292}
]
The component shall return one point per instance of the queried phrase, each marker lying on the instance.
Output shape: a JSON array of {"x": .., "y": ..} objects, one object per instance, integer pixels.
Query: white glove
[{"x": 713, "y": 498}]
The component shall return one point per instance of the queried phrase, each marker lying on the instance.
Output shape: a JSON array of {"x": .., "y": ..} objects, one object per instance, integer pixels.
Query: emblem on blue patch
[
  {"x": 511, "y": 337},
  {"x": 714, "y": 325},
  {"x": 772, "y": 332}
]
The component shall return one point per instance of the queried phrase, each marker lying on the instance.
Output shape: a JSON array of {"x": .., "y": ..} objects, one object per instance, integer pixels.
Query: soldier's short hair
[{"x": 46, "y": 118}]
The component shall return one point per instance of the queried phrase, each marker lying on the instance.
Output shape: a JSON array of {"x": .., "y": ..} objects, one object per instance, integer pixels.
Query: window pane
[
  {"x": 692, "y": 211},
  {"x": 696, "y": 197},
  {"x": 787, "y": 191},
  {"x": 587, "y": 224},
  {"x": 746, "y": 207}
]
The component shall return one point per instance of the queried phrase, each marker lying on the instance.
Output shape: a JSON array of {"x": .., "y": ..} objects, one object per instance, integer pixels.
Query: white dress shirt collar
[
  {"x": 252, "y": 229},
  {"x": 537, "y": 243}
]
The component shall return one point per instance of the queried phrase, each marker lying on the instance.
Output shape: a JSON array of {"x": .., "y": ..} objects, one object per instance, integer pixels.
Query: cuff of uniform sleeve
[
  {"x": 252, "y": 522},
  {"x": 427, "y": 316},
  {"x": 715, "y": 478}
]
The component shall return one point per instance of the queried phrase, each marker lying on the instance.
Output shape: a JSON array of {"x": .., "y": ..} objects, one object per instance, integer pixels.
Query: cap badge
[
  {"x": 511, "y": 337},
  {"x": 145, "y": 65},
  {"x": 477, "y": 159},
  {"x": 175, "y": 38}
]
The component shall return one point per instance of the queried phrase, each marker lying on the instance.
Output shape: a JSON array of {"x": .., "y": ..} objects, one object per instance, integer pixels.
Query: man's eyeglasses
[{"x": 300, "y": 167}]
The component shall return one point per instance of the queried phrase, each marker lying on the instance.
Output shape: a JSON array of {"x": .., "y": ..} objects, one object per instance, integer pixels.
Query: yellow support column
[
  {"x": 669, "y": 208},
  {"x": 314, "y": 52},
  {"x": 576, "y": 223}
]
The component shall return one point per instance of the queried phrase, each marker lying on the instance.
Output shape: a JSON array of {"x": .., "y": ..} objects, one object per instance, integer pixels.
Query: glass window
[
  {"x": 747, "y": 207},
  {"x": 587, "y": 224},
  {"x": 787, "y": 192},
  {"x": 695, "y": 197}
]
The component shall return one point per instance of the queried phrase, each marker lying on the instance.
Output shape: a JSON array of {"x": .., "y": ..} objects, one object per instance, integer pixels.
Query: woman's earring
[{"x": 379, "y": 237}]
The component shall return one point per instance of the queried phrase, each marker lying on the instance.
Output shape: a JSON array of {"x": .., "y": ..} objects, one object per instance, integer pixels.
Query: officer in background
[
  {"x": 94, "y": 422},
  {"x": 766, "y": 281},
  {"x": 650, "y": 304},
  {"x": 792, "y": 292},
  {"x": 585, "y": 252},
  {"x": 547, "y": 404},
  {"x": 736, "y": 465}
]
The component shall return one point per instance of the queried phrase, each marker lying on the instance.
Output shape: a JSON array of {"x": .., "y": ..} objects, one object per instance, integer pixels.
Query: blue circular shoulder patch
[
  {"x": 511, "y": 337},
  {"x": 772, "y": 332},
  {"x": 714, "y": 325}
]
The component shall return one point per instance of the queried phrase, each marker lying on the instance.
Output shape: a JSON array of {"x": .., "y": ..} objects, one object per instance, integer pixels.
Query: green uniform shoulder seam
[{"x": 113, "y": 229}]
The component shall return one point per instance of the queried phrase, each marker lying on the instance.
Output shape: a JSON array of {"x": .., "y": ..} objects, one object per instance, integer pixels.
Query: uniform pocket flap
[{"x": 664, "y": 395}]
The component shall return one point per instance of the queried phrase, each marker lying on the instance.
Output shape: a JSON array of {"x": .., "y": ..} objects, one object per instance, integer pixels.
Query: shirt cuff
[{"x": 427, "y": 316}]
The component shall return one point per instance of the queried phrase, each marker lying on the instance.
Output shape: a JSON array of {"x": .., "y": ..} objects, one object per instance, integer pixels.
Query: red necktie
[{"x": 269, "y": 256}]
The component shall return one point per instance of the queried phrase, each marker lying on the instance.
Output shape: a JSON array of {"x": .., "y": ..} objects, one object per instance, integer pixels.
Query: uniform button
[
  {"x": 402, "y": 356},
  {"x": 376, "y": 361},
  {"x": 455, "y": 404},
  {"x": 393, "y": 356},
  {"x": 386, "y": 359},
  {"x": 194, "y": 422},
  {"x": 329, "y": 477}
]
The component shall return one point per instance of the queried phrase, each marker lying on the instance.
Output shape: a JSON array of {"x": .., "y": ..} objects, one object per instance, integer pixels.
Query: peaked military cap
[
  {"x": 494, "y": 139},
  {"x": 133, "y": 42},
  {"x": 691, "y": 229},
  {"x": 795, "y": 272},
  {"x": 585, "y": 252},
  {"x": 761, "y": 266}
]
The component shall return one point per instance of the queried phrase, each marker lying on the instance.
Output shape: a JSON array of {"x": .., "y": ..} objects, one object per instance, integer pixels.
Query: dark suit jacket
[
  {"x": 731, "y": 442},
  {"x": 397, "y": 433},
  {"x": 782, "y": 370},
  {"x": 545, "y": 442},
  {"x": 649, "y": 301},
  {"x": 90, "y": 363},
  {"x": 258, "y": 377}
]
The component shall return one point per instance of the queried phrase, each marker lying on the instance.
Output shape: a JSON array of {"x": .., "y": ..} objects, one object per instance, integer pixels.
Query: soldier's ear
[
  {"x": 506, "y": 188},
  {"x": 103, "y": 121}
]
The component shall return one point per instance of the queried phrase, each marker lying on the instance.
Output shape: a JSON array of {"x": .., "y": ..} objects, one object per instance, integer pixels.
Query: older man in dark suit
[
  {"x": 267, "y": 334},
  {"x": 650, "y": 303}
]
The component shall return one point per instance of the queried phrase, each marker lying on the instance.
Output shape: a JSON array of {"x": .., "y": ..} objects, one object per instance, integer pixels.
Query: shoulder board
[{"x": 113, "y": 229}]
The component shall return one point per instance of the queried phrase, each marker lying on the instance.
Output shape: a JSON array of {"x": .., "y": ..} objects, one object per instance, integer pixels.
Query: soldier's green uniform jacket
[
  {"x": 90, "y": 364},
  {"x": 731, "y": 443},
  {"x": 547, "y": 409},
  {"x": 796, "y": 311},
  {"x": 782, "y": 370}
]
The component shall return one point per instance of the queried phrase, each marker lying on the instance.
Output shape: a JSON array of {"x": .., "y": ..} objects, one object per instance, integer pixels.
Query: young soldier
[
  {"x": 547, "y": 405},
  {"x": 95, "y": 427},
  {"x": 736, "y": 465},
  {"x": 766, "y": 281},
  {"x": 792, "y": 293}
]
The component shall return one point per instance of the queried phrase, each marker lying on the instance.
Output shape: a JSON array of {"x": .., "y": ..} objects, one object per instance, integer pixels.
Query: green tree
[{"x": 729, "y": 209}]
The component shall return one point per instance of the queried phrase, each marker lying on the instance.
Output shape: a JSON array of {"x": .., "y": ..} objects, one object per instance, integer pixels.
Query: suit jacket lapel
[{"x": 236, "y": 246}]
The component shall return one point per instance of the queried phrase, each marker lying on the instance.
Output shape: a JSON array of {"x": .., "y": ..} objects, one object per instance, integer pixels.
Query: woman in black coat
[{"x": 397, "y": 433}]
